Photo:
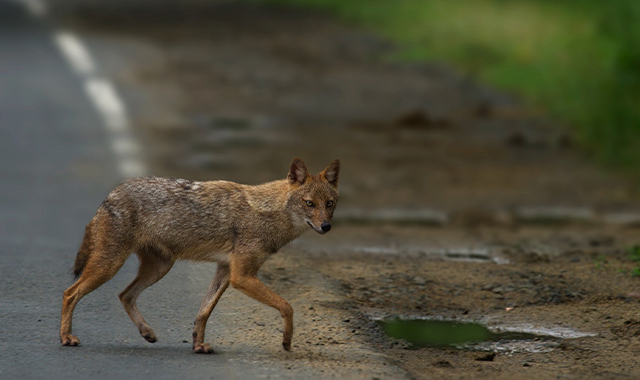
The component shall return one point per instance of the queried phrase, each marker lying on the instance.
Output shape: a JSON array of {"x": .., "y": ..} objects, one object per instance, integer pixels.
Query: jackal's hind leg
[
  {"x": 154, "y": 264},
  {"x": 96, "y": 272}
]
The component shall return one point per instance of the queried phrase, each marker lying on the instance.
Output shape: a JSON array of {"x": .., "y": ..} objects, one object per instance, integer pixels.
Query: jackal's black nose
[{"x": 325, "y": 226}]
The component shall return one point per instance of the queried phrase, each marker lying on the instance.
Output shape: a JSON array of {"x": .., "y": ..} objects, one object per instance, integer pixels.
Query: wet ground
[
  {"x": 235, "y": 92},
  {"x": 573, "y": 283}
]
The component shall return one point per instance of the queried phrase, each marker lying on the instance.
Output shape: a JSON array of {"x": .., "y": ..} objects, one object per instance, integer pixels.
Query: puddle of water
[
  {"x": 463, "y": 254},
  {"x": 468, "y": 254},
  {"x": 465, "y": 335}
]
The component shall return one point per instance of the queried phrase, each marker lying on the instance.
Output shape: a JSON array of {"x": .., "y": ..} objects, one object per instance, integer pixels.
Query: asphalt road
[{"x": 55, "y": 169}]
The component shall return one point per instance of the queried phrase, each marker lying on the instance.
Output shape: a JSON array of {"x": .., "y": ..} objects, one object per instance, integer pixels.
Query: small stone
[
  {"x": 517, "y": 139},
  {"x": 442, "y": 364},
  {"x": 565, "y": 141},
  {"x": 483, "y": 110},
  {"x": 487, "y": 357},
  {"x": 414, "y": 119}
]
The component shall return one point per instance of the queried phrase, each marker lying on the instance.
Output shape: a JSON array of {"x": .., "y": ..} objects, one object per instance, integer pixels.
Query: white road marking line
[
  {"x": 106, "y": 99},
  {"x": 124, "y": 146},
  {"x": 37, "y": 8},
  {"x": 76, "y": 53},
  {"x": 107, "y": 102}
]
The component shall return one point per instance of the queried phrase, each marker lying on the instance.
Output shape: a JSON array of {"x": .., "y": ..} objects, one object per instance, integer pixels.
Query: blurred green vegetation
[{"x": 579, "y": 59}]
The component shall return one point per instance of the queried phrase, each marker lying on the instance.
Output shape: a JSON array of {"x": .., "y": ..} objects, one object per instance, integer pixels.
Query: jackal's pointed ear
[
  {"x": 297, "y": 172},
  {"x": 330, "y": 174}
]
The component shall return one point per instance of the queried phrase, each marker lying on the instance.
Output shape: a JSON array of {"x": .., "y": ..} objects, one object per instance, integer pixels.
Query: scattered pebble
[
  {"x": 486, "y": 357},
  {"x": 442, "y": 364}
]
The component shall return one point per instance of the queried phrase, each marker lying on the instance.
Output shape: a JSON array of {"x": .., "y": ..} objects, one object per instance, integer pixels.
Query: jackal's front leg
[
  {"x": 243, "y": 278},
  {"x": 218, "y": 286}
]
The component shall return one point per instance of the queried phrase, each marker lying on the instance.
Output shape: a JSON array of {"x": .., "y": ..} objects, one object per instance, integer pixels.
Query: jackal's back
[{"x": 178, "y": 214}]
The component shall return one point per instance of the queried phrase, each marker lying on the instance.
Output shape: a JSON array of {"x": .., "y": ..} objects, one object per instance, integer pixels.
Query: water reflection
[{"x": 429, "y": 333}]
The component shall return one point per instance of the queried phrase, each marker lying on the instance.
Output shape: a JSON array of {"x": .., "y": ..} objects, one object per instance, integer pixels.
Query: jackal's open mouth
[{"x": 315, "y": 229}]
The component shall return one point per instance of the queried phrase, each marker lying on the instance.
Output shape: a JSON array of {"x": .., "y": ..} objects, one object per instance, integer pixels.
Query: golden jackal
[{"x": 237, "y": 226}]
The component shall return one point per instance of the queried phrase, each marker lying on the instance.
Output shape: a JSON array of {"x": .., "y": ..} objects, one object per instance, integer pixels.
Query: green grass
[
  {"x": 601, "y": 262},
  {"x": 634, "y": 256},
  {"x": 579, "y": 59},
  {"x": 634, "y": 253}
]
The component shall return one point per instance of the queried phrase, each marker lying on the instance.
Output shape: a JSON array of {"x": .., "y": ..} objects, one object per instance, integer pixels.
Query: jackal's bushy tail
[{"x": 83, "y": 253}]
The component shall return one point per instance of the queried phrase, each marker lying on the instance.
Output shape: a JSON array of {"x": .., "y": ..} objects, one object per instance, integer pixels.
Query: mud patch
[
  {"x": 629, "y": 329},
  {"x": 587, "y": 307}
]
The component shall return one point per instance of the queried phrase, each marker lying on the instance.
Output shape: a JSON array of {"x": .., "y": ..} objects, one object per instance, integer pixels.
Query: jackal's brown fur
[{"x": 165, "y": 220}]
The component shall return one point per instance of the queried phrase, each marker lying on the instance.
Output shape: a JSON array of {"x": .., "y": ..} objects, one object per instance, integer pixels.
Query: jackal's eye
[
  {"x": 329, "y": 203},
  {"x": 309, "y": 203}
]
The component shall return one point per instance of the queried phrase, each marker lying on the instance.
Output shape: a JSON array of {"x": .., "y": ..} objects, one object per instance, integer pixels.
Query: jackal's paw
[
  {"x": 149, "y": 335},
  {"x": 204, "y": 348},
  {"x": 69, "y": 340},
  {"x": 286, "y": 346}
]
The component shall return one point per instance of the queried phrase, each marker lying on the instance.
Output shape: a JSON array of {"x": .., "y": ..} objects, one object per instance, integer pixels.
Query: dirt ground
[
  {"x": 235, "y": 92},
  {"x": 586, "y": 287}
]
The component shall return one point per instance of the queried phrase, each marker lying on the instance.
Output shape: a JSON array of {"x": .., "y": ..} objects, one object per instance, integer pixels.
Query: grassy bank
[{"x": 580, "y": 59}]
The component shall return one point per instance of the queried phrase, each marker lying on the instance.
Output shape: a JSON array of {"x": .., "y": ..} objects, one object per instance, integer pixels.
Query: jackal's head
[{"x": 313, "y": 197}]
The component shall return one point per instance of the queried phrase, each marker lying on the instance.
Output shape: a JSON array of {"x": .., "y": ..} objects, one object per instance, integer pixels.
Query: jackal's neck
[
  {"x": 272, "y": 199},
  {"x": 268, "y": 197},
  {"x": 279, "y": 200}
]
